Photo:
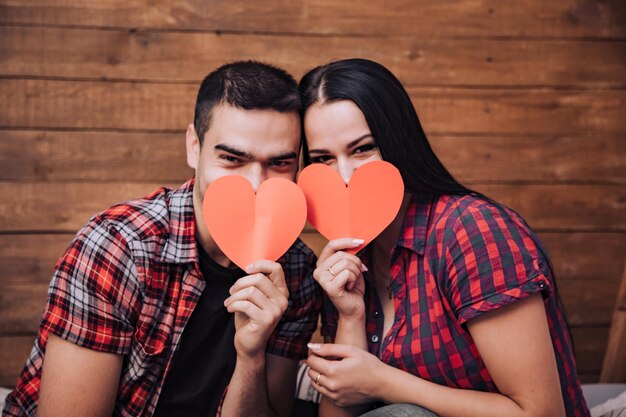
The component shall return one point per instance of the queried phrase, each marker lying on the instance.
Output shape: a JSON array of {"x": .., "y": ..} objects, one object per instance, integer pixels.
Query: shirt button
[
  {"x": 374, "y": 339},
  {"x": 376, "y": 313}
]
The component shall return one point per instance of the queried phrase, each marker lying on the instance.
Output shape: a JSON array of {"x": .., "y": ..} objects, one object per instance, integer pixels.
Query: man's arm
[
  {"x": 258, "y": 301},
  {"x": 78, "y": 381},
  {"x": 281, "y": 379},
  {"x": 264, "y": 387}
]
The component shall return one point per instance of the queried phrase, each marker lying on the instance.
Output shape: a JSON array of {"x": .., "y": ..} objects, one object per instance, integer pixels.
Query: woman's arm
[
  {"x": 345, "y": 287},
  {"x": 514, "y": 343},
  {"x": 350, "y": 331}
]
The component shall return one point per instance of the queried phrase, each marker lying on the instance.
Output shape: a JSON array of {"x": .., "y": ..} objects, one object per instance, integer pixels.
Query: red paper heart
[
  {"x": 249, "y": 227},
  {"x": 361, "y": 210}
]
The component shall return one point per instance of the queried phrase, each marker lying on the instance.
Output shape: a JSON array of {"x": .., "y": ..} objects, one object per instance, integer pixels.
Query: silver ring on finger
[
  {"x": 317, "y": 380},
  {"x": 330, "y": 269}
]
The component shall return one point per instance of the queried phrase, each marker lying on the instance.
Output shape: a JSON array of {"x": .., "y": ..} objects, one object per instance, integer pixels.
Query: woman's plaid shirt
[
  {"x": 128, "y": 284},
  {"x": 455, "y": 259}
]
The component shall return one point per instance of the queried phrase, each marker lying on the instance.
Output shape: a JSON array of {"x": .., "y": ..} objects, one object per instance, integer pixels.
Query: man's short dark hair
[{"x": 246, "y": 85}]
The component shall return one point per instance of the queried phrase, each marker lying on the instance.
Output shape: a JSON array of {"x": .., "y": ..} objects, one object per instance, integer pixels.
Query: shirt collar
[
  {"x": 180, "y": 246},
  {"x": 415, "y": 223}
]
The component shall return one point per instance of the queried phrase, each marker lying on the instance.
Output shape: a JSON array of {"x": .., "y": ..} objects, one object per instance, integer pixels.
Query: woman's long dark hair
[{"x": 390, "y": 116}]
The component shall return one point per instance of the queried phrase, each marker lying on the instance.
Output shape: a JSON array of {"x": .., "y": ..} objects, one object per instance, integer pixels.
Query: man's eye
[
  {"x": 230, "y": 158},
  {"x": 322, "y": 159},
  {"x": 280, "y": 164}
]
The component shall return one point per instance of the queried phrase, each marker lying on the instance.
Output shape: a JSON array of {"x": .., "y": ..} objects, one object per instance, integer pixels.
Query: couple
[{"x": 452, "y": 309}]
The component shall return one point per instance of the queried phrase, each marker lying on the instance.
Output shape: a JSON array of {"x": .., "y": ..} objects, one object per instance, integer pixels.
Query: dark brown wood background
[{"x": 524, "y": 101}]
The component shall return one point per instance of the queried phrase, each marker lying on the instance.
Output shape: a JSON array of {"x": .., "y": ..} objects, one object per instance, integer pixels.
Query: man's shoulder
[{"x": 151, "y": 216}]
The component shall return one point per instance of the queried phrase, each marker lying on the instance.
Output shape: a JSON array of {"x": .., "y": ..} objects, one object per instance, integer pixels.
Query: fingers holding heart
[
  {"x": 341, "y": 270},
  {"x": 338, "y": 245},
  {"x": 254, "y": 292},
  {"x": 342, "y": 274}
]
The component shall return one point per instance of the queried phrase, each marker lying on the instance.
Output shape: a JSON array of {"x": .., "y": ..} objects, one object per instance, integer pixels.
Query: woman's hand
[
  {"x": 340, "y": 274},
  {"x": 347, "y": 374}
]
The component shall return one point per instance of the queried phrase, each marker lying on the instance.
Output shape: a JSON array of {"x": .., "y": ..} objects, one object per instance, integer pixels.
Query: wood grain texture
[
  {"x": 589, "y": 342},
  {"x": 586, "y": 256},
  {"x": 520, "y": 112},
  {"x": 21, "y": 307},
  {"x": 568, "y": 251},
  {"x": 27, "y": 263},
  {"x": 169, "y": 107},
  {"x": 565, "y": 207},
  {"x": 433, "y": 18},
  {"x": 537, "y": 159},
  {"x": 14, "y": 351},
  {"x": 64, "y": 207},
  {"x": 614, "y": 364},
  {"x": 188, "y": 56},
  {"x": 51, "y": 156},
  {"x": 523, "y": 101},
  {"x": 30, "y": 258},
  {"x": 588, "y": 302}
]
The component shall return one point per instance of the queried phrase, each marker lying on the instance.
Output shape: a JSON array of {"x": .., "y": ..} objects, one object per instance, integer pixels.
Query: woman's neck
[{"x": 387, "y": 239}]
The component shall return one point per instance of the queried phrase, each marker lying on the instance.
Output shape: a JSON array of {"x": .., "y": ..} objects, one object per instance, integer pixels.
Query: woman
[{"x": 453, "y": 308}]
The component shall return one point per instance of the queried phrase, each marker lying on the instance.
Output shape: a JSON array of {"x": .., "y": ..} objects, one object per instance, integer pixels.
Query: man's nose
[{"x": 256, "y": 175}]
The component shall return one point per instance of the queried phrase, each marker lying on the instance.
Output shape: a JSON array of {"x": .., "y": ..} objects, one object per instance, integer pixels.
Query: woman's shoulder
[{"x": 454, "y": 211}]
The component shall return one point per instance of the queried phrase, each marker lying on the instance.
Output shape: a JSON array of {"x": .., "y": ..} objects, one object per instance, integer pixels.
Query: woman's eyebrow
[
  {"x": 348, "y": 146},
  {"x": 357, "y": 140}
]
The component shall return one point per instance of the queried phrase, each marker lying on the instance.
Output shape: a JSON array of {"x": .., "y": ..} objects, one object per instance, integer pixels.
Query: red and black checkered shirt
[
  {"x": 455, "y": 259},
  {"x": 128, "y": 284}
]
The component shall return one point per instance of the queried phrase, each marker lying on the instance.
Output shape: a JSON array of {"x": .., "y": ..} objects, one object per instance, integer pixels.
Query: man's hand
[{"x": 258, "y": 301}]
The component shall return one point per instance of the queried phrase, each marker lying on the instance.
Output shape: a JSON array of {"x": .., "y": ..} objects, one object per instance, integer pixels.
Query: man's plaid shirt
[{"x": 128, "y": 284}]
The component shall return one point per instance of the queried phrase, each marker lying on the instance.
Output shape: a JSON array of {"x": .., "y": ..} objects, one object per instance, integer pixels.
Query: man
[{"x": 139, "y": 314}]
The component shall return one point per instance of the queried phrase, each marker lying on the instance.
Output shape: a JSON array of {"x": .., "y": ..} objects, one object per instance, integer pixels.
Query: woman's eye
[
  {"x": 322, "y": 159},
  {"x": 365, "y": 148}
]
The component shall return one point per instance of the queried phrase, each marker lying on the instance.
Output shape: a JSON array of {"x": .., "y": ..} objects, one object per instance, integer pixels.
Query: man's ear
[{"x": 193, "y": 145}]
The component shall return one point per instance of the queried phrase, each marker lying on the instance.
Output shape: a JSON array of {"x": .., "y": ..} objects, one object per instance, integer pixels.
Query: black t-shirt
[{"x": 205, "y": 360}]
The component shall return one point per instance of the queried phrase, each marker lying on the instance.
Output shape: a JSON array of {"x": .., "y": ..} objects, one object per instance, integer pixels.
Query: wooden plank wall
[{"x": 524, "y": 101}]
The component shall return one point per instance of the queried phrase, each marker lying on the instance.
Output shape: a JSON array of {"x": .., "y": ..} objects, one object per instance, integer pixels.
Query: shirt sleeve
[
  {"x": 297, "y": 325},
  {"x": 330, "y": 317},
  {"x": 492, "y": 259},
  {"x": 89, "y": 299}
]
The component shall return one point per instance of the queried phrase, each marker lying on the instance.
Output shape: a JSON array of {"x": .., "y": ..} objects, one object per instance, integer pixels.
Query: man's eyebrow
[
  {"x": 236, "y": 152},
  {"x": 287, "y": 155}
]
